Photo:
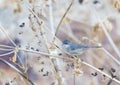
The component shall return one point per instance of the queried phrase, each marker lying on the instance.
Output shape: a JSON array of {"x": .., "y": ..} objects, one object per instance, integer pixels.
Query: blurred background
[{"x": 32, "y": 25}]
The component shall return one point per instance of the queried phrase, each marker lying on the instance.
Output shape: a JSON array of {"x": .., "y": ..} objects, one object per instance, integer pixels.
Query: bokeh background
[{"x": 83, "y": 23}]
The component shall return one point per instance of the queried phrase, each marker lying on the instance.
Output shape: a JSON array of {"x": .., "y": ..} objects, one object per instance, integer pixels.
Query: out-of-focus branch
[
  {"x": 63, "y": 17},
  {"x": 2, "y": 30},
  {"x": 96, "y": 69},
  {"x": 51, "y": 17},
  {"x": 106, "y": 33},
  {"x": 5, "y": 62}
]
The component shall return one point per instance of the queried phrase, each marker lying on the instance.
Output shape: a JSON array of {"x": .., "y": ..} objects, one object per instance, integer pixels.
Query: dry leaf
[
  {"x": 52, "y": 47},
  {"x": 116, "y": 4},
  {"x": 98, "y": 31},
  {"x": 14, "y": 58},
  {"x": 78, "y": 72},
  {"x": 67, "y": 20},
  {"x": 108, "y": 25}
]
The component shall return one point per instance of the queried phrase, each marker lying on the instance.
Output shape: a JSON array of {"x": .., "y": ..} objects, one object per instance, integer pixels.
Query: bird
[{"x": 75, "y": 48}]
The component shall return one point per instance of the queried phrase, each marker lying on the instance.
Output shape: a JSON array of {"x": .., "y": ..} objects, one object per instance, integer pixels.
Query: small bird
[{"x": 74, "y": 48}]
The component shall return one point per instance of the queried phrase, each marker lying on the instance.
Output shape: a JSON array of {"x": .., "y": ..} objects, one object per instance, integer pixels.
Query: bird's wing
[{"x": 77, "y": 46}]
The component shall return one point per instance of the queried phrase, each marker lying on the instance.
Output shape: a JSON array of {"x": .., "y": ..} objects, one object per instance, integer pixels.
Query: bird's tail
[{"x": 94, "y": 46}]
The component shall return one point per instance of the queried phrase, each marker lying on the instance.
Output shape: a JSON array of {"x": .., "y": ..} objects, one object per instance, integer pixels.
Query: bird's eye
[{"x": 66, "y": 41}]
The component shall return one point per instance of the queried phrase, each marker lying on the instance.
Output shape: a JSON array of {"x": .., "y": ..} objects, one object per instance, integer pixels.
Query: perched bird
[{"x": 74, "y": 48}]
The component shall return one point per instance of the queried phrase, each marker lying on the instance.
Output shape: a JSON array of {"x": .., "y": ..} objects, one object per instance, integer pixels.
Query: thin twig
[
  {"x": 74, "y": 78},
  {"x": 2, "y": 30},
  {"x": 59, "y": 78},
  {"x": 64, "y": 16},
  {"x": 5, "y": 62},
  {"x": 20, "y": 60},
  {"x": 108, "y": 53},
  {"x": 6, "y": 46},
  {"x": 51, "y": 16},
  {"x": 81, "y": 62},
  {"x": 4, "y": 49},
  {"x": 39, "y": 20},
  {"x": 92, "y": 67},
  {"x": 57, "y": 63},
  {"x": 106, "y": 33},
  {"x": 114, "y": 59},
  {"x": 46, "y": 54},
  {"x": 7, "y": 53},
  {"x": 33, "y": 13}
]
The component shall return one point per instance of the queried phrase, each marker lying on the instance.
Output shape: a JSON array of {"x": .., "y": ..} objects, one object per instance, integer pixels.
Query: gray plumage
[{"x": 75, "y": 48}]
